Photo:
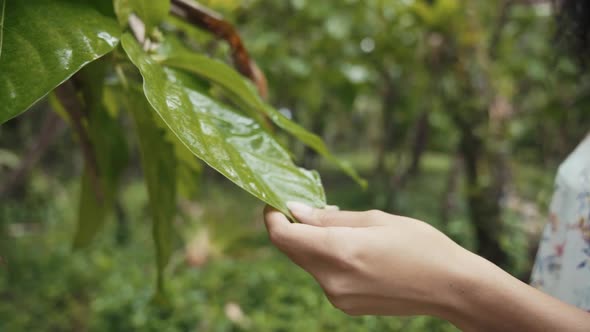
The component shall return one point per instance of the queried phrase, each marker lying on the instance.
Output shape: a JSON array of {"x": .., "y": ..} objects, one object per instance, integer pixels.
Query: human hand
[{"x": 371, "y": 262}]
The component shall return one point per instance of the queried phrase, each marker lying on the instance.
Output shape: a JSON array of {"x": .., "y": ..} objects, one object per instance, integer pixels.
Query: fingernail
[
  {"x": 332, "y": 208},
  {"x": 299, "y": 209}
]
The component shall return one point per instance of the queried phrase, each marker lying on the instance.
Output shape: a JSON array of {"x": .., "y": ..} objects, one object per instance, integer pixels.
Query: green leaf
[
  {"x": 172, "y": 54},
  {"x": 110, "y": 148},
  {"x": 92, "y": 212},
  {"x": 234, "y": 145},
  {"x": 188, "y": 167},
  {"x": 58, "y": 108},
  {"x": 2, "y": 8},
  {"x": 151, "y": 12},
  {"x": 111, "y": 154},
  {"x": 159, "y": 168},
  {"x": 46, "y": 42}
]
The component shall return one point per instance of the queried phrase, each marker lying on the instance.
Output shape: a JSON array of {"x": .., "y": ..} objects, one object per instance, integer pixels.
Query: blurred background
[{"x": 456, "y": 112}]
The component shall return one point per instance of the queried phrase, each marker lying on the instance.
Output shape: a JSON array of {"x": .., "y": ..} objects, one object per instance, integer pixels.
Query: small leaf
[
  {"x": 159, "y": 169},
  {"x": 58, "y": 108},
  {"x": 174, "y": 55},
  {"x": 2, "y": 8},
  {"x": 111, "y": 153},
  {"x": 45, "y": 42},
  {"x": 151, "y": 12},
  {"x": 110, "y": 148},
  {"x": 91, "y": 212},
  {"x": 234, "y": 145}
]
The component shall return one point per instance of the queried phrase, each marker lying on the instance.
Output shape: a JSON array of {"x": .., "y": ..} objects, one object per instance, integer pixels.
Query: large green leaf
[
  {"x": 172, "y": 54},
  {"x": 2, "y": 8},
  {"x": 110, "y": 150},
  {"x": 111, "y": 154},
  {"x": 45, "y": 42},
  {"x": 188, "y": 166},
  {"x": 231, "y": 143},
  {"x": 159, "y": 168}
]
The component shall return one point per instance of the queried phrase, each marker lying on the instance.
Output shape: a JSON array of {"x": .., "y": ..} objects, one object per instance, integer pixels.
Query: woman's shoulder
[{"x": 576, "y": 166}]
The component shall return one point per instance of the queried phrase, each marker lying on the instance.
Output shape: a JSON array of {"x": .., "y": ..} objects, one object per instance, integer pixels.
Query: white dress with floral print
[{"x": 562, "y": 266}]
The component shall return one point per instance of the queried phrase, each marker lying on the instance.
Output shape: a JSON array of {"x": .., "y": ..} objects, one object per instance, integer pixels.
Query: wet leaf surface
[
  {"x": 231, "y": 143},
  {"x": 44, "y": 43}
]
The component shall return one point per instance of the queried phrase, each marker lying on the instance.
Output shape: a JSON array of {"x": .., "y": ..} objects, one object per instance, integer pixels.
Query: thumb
[
  {"x": 330, "y": 217},
  {"x": 294, "y": 238}
]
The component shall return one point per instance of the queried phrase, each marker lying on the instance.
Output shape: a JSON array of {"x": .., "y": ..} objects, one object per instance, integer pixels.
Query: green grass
[{"x": 109, "y": 286}]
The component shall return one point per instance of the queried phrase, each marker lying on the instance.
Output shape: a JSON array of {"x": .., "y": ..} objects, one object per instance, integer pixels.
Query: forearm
[
  {"x": 485, "y": 298},
  {"x": 375, "y": 263}
]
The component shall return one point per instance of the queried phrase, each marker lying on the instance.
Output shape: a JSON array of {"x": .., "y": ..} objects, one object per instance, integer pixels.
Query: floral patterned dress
[{"x": 562, "y": 266}]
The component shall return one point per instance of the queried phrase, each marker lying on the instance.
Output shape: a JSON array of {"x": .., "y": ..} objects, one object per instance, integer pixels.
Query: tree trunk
[
  {"x": 388, "y": 97},
  {"x": 384, "y": 142},
  {"x": 483, "y": 200},
  {"x": 448, "y": 204},
  {"x": 384, "y": 191},
  {"x": 419, "y": 143}
]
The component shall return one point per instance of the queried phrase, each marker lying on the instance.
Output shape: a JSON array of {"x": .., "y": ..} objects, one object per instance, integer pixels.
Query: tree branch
[
  {"x": 504, "y": 11},
  {"x": 51, "y": 128},
  {"x": 208, "y": 20},
  {"x": 66, "y": 94}
]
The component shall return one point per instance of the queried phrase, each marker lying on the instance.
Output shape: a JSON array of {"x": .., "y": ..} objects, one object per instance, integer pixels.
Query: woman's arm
[
  {"x": 489, "y": 299},
  {"x": 373, "y": 263}
]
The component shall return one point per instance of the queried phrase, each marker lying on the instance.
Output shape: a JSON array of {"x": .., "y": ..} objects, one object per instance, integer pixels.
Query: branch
[
  {"x": 499, "y": 28},
  {"x": 66, "y": 94},
  {"x": 208, "y": 20},
  {"x": 51, "y": 128}
]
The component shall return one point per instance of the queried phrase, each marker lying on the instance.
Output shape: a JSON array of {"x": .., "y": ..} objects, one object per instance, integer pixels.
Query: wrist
[
  {"x": 479, "y": 296},
  {"x": 467, "y": 283}
]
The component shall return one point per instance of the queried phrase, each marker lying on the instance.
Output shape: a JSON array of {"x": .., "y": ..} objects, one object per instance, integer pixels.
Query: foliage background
[{"x": 388, "y": 84}]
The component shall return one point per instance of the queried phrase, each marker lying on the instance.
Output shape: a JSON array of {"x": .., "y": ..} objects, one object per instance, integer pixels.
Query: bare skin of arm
[{"x": 374, "y": 263}]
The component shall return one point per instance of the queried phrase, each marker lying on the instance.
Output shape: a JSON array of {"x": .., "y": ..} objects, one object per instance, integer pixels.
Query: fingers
[
  {"x": 275, "y": 221},
  {"x": 290, "y": 238},
  {"x": 332, "y": 217}
]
